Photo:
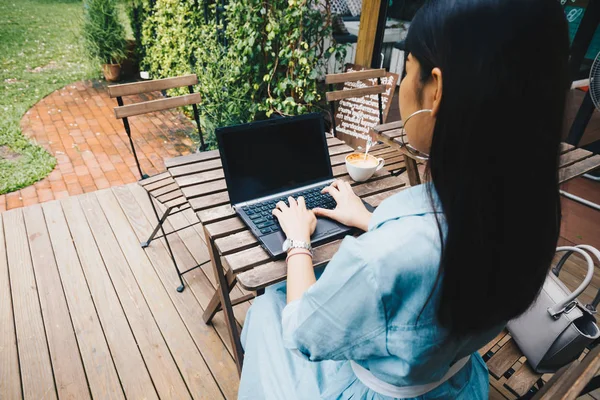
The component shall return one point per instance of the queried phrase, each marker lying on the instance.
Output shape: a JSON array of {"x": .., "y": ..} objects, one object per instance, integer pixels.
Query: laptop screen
[{"x": 268, "y": 157}]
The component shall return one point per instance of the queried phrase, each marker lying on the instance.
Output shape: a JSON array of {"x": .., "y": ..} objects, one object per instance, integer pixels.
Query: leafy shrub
[
  {"x": 103, "y": 34},
  {"x": 265, "y": 60}
]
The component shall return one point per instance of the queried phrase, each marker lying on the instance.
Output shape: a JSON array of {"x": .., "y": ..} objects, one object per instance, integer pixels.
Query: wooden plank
[
  {"x": 168, "y": 189},
  {"x": 211, "y": 200},
  {"x": 34, "y": 358},
  {"x": 197, "y": 344},
  {"x": 344, "y": 149},
  {"x": 104, "y": 381},
  {"x": 173, "y": 195},
  {"x": 191, "y": 158},
  {"x": 483, "y": 351},
  {"x": 131, "y": 110},
  {"x": 564, "y": 147},
  {"x": 159, "y": 185},
  {"x": 574, "y": 156},
  {"x": 158, "y": 359},
  {"x": 133, "y": 374},
  {"x": 237, "y": 242},
  {"x": 522, "y": 380},
  {"x": 201, "y": 177},
  {"x": 376, "y": 199},
  {"x": 355, "y": 76},
  {"x": 354, "y": 93},
  {"x": 495, "y": 394},
  {"x": 578, "y": 169},
  {"x": 504, "y": 359},
  {"x": 195, "y": 168},
  {"x": 154, "y": 178},
  {"x": 69, "y": 373},
  {"x": 333, "y": 141},
  {"x": 10, "y": 376},
  {"x": 276, "y": 271},
  {"x": 215, "y": 214},
  {"x": 379, "y": 129},
  {"x": 368, "y": 29},
  {"x": 204, "y": 189},
  {"x": 128, "y": 89},
  {"x": 226, "y": 227}
]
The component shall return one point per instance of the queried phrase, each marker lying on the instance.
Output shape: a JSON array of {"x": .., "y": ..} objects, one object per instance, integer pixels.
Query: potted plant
[{"x": 104, "y": 36}]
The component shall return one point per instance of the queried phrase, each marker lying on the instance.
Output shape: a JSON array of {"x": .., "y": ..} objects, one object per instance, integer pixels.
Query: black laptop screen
[{"x": 264, "y": 158}]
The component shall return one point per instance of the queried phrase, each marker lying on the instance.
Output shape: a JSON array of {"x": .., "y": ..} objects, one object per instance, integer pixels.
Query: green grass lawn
[{"x": 34, "y": 33}]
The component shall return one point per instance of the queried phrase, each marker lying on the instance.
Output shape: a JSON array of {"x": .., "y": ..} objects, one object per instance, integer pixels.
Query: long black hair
[{"x": 495, "y": 150}]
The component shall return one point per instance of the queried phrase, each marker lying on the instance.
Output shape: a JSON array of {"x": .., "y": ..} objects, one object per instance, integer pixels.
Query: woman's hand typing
[{"x": 350, "y": 209}]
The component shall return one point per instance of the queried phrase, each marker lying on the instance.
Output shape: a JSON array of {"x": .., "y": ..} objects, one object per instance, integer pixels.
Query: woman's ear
[{"x": 437, "y": 86}]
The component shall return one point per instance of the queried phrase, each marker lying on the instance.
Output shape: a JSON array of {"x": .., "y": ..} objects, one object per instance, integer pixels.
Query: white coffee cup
[{"x": 360, "y": 168}]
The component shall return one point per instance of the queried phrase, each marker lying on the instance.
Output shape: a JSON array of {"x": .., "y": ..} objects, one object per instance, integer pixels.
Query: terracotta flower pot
[{"x": 111, "y": 72}]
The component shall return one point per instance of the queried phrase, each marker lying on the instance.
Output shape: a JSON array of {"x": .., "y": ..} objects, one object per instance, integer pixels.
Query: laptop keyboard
[{"x": 261, "y": 214}]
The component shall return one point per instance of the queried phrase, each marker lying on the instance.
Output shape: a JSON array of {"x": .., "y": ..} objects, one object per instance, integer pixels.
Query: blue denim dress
[{"x": 364, "y": 307}]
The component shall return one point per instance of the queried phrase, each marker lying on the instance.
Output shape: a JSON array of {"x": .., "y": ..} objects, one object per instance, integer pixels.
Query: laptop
[{"x": 265, "y": 162}]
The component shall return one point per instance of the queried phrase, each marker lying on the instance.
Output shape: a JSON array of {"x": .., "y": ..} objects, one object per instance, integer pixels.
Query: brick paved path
[{"x": 76, "y": 124}]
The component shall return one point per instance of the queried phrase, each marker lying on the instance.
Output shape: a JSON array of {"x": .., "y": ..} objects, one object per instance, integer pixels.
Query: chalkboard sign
[{"x": 355, "y": 117}]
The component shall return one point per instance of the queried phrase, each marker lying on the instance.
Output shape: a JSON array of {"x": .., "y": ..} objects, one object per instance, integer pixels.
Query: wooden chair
[
  {"x": 511, "y": 377},
  {"x": 336, "y": 95},
  {"x": 161, "y": 188}
]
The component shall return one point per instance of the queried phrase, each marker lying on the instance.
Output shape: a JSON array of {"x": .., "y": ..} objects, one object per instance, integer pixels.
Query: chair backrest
[
  {"x": 572, "y": 380},
  {"x": 123, "y": 111},
  {"x": 143, "y": 107},
  {"x": 335, "y": 95},
  {"x": 354, "y": 76}
]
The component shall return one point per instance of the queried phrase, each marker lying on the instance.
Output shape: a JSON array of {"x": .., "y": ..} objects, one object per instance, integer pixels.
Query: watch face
[{"x": 286, "y": 245}]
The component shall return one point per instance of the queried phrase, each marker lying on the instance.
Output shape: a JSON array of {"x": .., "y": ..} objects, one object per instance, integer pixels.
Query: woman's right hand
[{"x": 350, "y": 210}]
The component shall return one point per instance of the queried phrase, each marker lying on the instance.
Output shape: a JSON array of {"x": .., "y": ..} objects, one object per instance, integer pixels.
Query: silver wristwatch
[{"x": 290, "y": 244}]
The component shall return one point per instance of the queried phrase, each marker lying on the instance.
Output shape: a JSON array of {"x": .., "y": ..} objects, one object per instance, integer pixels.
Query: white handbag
[{"x": 556, "y": 329}]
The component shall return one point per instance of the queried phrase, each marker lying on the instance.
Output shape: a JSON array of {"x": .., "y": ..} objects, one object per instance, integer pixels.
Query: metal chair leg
[
  {"x": 162, "y": 230},
  {"x": 161, "y": 221}
]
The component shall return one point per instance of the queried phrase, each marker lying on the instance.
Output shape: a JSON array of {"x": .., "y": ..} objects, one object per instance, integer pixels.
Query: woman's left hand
[{"x": 296, "y": 221}]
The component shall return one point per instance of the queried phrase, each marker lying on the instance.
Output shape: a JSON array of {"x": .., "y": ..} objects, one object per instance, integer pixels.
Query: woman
[{"x": 401, "y": 310}]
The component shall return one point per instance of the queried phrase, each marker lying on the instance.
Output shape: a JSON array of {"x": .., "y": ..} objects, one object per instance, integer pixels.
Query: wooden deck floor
[{"x": 86, "y": 312}]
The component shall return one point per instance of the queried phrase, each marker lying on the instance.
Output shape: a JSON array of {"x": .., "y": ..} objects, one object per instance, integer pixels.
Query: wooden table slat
[
  {"x": 201, "y": 177},
  {"x": 275, "y": 271},
  {"x": 204, "y": 189},
  {"x": 195, "y": 168},
  {"x": 151, "y": 187},
  {"x": 191, "y": 158},
  {"x": 504, "y": 359},
  {"x": 215, "y": 214}
]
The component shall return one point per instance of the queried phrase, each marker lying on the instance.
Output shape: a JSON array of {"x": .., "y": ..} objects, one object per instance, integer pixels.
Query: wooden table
[
  {"x": 574, "y": 162},
  {"x": 235, "y": 253}
]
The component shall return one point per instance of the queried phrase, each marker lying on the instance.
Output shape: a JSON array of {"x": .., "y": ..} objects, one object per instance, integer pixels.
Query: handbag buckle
[{"x": 566, "y": 309}]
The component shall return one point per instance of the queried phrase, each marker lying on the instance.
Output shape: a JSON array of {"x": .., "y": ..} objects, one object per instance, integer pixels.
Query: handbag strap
[
  {"x": 568, "y": 302},
  {"x": 591, "y": 307}
]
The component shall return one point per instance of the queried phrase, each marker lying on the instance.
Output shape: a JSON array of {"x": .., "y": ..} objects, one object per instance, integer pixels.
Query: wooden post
[{"x": 367, "y": 31}]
